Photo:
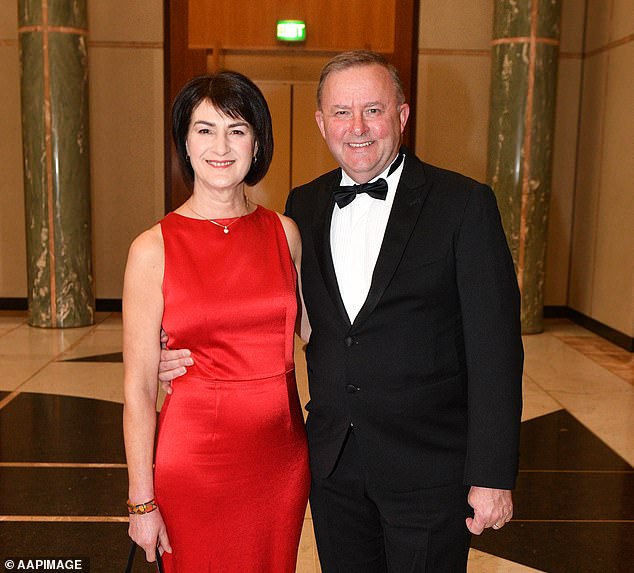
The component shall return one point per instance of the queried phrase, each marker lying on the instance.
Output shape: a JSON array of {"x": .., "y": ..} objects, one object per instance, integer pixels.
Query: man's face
[{"x": 361, "y": 120}]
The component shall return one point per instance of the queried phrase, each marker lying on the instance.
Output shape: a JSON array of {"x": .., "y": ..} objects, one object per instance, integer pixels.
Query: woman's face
[{"x": 220, "y": 148}]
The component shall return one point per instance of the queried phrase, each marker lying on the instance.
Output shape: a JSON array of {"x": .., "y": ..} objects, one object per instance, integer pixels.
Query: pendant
[{"x": 226, "y": 231}]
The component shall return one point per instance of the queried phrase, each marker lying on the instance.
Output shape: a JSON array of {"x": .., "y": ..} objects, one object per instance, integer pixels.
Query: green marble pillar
[
  {"x": 525, "y": 50},
  {"x": 54, "y": 91}
]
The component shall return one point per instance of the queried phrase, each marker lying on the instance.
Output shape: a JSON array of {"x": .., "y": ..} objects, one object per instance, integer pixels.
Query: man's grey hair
[{"x": 356, "y": 58}]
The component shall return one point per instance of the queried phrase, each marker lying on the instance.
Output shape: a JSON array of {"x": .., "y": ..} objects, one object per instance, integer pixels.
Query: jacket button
[
  {"x": 348, "y": 341},
  {"x": 351, "y": 388}
]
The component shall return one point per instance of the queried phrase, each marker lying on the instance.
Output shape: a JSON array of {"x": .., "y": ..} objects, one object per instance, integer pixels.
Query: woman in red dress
[{"x": 230, "y": 483}]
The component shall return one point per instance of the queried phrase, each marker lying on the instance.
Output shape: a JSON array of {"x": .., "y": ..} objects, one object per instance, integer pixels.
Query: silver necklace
[{"x": 224, "y": 227}]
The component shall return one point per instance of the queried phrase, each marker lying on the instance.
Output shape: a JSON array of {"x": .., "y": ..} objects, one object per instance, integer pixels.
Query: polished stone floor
[{"x": 63, "y": 476}]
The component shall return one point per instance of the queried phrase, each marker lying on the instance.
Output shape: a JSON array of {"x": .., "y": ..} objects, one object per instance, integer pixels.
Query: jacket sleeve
[
  {"x": 490, "y": 307},
  {"x": 288, "y": 208}
]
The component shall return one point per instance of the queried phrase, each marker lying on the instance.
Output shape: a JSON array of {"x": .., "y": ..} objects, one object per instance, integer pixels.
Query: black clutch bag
[{"x": 132, "y": 553}]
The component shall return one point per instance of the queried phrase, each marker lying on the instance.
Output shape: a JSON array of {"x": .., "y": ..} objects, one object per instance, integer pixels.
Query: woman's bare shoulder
[
  {"x": 147, "y": 248},
  {"x": 290, "y": 227},
  {"x": 292, "y": 235}
]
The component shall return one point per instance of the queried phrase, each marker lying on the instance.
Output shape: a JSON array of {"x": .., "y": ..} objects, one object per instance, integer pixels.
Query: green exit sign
[{"x": 291, "y": 30}]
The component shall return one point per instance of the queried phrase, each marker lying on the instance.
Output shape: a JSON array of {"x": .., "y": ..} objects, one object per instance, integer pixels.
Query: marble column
[
  {"x": 54, "y": 92},
  {"x": 525, "y": 50}
]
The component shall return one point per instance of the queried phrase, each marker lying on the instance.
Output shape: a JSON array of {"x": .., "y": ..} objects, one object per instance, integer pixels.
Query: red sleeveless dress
[{"x": 231, "y": 476}]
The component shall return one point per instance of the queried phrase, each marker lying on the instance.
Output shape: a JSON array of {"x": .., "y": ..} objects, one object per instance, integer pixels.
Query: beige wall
[
  {"x": 454, "y": 70},
  {"x": 589, "y": 254},
  {"x": 12, "y": 241},
  {"x": 602, "y": 257},
  {"x": 126, "y": 114}
]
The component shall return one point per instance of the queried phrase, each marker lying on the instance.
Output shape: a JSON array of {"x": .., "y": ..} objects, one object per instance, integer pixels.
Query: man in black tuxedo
[{"x": 415, "y": 356}]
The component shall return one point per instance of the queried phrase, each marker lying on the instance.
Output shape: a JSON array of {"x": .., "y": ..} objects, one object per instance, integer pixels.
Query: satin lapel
[
  {"x": 321, "y": 240},
  {"x": 408, "y": 202}
]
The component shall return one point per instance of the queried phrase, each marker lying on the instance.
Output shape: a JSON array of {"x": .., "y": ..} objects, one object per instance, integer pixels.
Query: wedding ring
[{"x": 497, "y": 526}]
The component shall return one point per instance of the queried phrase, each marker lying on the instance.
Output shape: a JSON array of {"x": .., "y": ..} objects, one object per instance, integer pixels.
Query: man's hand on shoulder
[{"x": 491, "y": 508}]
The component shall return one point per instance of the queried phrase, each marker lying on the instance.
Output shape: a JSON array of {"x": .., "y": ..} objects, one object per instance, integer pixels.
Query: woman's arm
[
  {"x": 302, "y": 327},
  {"x": 142, "y": 313}
]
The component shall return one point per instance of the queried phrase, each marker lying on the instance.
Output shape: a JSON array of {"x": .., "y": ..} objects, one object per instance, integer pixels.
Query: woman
[{"x": 230, "y": 484}]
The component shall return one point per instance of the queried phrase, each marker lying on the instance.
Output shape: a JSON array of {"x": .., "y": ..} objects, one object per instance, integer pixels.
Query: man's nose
[{"x": 358, "y": 124}]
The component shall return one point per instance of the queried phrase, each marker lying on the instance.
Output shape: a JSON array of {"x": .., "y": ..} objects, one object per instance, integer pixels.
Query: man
[{"x": 415, "y": 356}]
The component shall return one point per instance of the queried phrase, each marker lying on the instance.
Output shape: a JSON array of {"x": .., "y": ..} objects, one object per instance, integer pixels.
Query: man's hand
[
  {"x": 172, "y": 365},
  {"x": 491, "y": 508}
]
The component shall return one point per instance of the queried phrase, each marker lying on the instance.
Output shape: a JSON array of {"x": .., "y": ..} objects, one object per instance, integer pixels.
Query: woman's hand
[{"x": 148, "y": 532}]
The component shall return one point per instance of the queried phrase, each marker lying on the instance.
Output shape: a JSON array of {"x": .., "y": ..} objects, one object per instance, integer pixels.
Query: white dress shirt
[{"x": 356, "y": 235}]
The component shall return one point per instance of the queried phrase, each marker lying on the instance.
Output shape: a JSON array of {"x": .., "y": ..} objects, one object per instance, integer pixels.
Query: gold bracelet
[{"x": 141, "y": 508}]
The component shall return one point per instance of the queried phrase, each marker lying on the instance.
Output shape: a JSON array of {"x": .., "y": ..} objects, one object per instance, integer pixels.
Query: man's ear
[
  {"x": 319, "y": 118},
  {"x": 403, "y": 115}
]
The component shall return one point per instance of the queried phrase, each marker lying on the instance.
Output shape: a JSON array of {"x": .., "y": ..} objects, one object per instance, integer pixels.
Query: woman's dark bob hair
[{"x": 235, "y": 96}]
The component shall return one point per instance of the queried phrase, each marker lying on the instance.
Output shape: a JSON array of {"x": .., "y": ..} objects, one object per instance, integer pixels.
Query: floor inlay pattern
[{"x": 574, "y": 502}]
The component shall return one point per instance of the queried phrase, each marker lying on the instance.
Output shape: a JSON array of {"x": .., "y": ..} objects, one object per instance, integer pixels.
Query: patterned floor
[{"x": 63, "y": 477}]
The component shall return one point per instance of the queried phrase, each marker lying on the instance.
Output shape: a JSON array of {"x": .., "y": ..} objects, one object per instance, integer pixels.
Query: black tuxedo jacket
[{"x": 430, "y": 371}]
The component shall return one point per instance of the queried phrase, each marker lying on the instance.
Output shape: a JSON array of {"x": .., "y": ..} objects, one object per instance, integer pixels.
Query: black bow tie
[{"x": 346, "y": 194}]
